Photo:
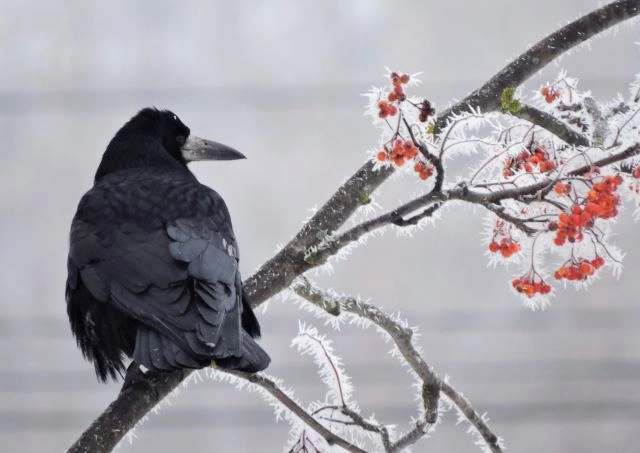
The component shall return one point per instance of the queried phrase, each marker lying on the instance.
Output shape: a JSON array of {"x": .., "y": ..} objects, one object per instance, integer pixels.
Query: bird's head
[{"x": 157, "y": 138}]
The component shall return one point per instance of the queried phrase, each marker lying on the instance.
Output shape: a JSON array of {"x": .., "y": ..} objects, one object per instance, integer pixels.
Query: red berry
[{"x": 399, "y": 161}]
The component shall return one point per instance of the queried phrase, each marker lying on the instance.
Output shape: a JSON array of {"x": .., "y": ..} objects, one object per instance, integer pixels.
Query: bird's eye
[{"x": 180, "y": 139}]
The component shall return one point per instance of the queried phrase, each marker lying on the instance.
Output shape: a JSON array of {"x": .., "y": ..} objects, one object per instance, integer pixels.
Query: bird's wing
[{"x": 181, "y": 282}]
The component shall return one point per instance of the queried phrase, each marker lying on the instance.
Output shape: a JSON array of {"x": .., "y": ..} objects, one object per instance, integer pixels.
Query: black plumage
[{"x": 153, "y": 260}]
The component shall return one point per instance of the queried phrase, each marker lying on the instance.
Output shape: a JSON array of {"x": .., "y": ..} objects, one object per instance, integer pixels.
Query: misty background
[{"x": 280, "y": 80}]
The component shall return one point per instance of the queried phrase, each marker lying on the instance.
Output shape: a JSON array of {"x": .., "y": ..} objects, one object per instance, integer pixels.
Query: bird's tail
[{"x": 252, "y": 360}]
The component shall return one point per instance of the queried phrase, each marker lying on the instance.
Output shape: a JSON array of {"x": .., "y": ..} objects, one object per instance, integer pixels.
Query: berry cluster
[
  {"x": 579, "y": 269},
  {"x": 549, "y": 94},
  {"x": 398, "y": 91},
  {"x": 502, "y": 241},
  {"x": 426, "y": 110},
  {"x": 402, "y": 150},
  {"x": 527, "y": 161},
  {"x": 506, "y": 247},
  {"x": 528, "y": 286},
  {"x": 385, "y": 106},
  {"x": 569, "y": 226},
  {"x": 562, "y": 188},
  {"x": 601, "y": 203},
  {"x": 386, "y": 110},
  {"x": 424, "y": 171},
  {"x": 636, "y": 172}
]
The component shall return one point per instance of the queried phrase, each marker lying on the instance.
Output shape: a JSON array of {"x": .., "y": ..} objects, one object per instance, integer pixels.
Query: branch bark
[
  {"x": 290, "y": 404},
  {"x": 546, "y": 50},
  {"x": 552, "y": 124},
  {"x": 139, "y": 394},
  {"x": 462, "y": 192}
]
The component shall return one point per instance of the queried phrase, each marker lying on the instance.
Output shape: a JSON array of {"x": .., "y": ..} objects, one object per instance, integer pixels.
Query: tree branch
[
  {"x": 527, "y": 64},
  {"x": 551, "y": 124},
  {"x": 277, "y": 393},
  {"x": 137, "y": 399},
  {"x": 139, "y": 394},
  {"x": 462, "y": 192},
  {"x": 278, "y": 273},
  {"x": 521, "y": 224},
  {"x": 402, "y": 337}
]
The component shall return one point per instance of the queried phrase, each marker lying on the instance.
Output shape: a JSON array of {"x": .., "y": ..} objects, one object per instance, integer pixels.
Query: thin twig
[
  {"x": 334, "y": 369},
  {"x": 275, "y": 391},
  {"x": 521, "y": 224},
  {"x": 551, "y": 124},
  {"x": 474, "y": 418},
  {"x": 462, "y": 192}
]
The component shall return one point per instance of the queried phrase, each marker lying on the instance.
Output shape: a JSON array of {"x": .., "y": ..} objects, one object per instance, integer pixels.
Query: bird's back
[{"x": 153, "y": 275}]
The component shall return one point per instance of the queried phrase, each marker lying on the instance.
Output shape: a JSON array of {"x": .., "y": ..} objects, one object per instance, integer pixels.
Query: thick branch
[
  {"x": 278, "y": 273},
  {"x": 140, "y": 393},
  {"x": 541, "y": 54}
]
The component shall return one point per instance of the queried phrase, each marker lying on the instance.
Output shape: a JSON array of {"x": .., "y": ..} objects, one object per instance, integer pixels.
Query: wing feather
[{"x": 181, "y": 282}]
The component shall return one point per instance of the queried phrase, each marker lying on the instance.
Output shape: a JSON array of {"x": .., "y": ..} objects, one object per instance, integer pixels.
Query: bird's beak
[{"x": 196, "y": 148}]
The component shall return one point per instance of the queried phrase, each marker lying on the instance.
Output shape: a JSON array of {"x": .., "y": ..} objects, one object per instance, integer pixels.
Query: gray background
[{"x": 280, "y": 80}]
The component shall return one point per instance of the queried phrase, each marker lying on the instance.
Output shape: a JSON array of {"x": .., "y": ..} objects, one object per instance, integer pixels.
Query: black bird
[{"x": 153, "y": 261}]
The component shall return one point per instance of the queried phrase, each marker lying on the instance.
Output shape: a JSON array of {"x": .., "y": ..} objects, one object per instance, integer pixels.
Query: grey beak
[{"x": 196, "y": 148}]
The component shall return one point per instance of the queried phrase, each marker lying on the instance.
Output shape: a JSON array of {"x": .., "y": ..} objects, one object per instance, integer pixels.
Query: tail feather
[
  {"x": 252, "y": 360},
  {"x": 156, "y": 352},
  {"x": 249, "y": 321}
]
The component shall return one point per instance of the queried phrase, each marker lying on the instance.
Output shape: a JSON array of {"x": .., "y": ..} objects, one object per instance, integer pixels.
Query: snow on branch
[
  {"x": 551, "y": 193},
  {"x": 402, "y": 336},
  {"x": 273, "y": 388},
  {"x": 546, "y": 50},
  {"x": 550, "y": 123}
]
